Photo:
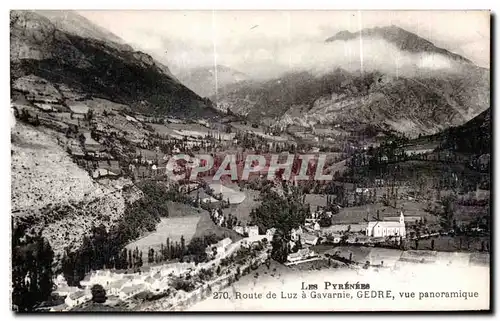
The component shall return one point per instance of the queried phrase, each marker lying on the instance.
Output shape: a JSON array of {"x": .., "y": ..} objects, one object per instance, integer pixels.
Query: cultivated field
[
  {"x": 171, "y": 227},
  {"x": 234, "y": 196},
  {"x": 206, "y": 227},
  {"x": 242, "y": 210},
  {"x": 182, "y": 220}
]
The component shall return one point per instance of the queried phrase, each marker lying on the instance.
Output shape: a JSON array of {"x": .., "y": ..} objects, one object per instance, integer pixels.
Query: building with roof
[
  {"x": 309, "y": 239},
  {"x": 387, "y": 228},
  {"x": 103, "y": 172},
  {"x": 103, "y": 277},
  {"x": 295, "y": 233},
  {"x": 131, "y": 290},
  {"x": 220, "y": 246},
  {"x": 270, "y": 233},
  {"x": 115, "y": 287},
  {"x": 362, "y": 190},
  {"x": 239, "y": 229},
  {"x": 301, "y": 254},
  {"x": 252, "y": 230},
  {"x": 77, "y": 298},
  {"x": 65, "y": 290}
]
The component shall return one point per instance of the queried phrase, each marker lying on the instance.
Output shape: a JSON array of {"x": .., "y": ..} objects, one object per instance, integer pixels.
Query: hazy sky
[{"x": 266, "y": 42}]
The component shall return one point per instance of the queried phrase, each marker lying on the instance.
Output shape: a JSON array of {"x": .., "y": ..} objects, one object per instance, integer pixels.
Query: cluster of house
[
  {"x": 119, "y": 284},
  {"x": 351, "y": 233},
  {"x": 103, "y": 172},
  {"x": 251, "y": 231},
  {"x": 220, "y": 249}
]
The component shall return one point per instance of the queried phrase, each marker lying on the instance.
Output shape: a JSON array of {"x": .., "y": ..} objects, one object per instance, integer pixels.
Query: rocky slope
[
  {"x": 51, "y": 193},
  {"x": 419, "y": 101},
  {"x": 90, "y": 62}
]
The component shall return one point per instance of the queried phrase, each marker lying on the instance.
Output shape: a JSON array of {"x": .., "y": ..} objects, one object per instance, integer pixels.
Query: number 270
[{"x": 221, "y": 295}]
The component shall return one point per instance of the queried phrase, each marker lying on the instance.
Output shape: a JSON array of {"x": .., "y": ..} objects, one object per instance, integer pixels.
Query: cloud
[
  {"x": 356, "y": 54},
  {"x": 321, "y": 57},
  {"x": 434, "y": 62},
  {"x": 188, "y": 37}
]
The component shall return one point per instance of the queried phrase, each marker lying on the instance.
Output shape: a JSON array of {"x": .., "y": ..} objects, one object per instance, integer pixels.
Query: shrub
[{"x": 98, "y": 293}]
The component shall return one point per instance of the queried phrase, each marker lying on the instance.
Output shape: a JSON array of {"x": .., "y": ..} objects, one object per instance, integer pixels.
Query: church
[{"x": 383, "y": 228}]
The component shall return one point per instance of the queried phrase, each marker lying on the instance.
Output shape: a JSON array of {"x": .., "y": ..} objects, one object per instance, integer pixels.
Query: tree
[
  {"x": 325, "y": 220},
  {"x": 183, "y": 245},
  {"x": 81, "y": 138},
  {"x": 32, "y": 276},
  {"x": 98, "y": 293},
  {"x": 197, "y": 248},
  {"x": 447, "y": 203},
  {"x": 140, "y": 263},
  {"x": 151, "y": 255},
  {"x": 90, "y": 115},
  {"x": 280, "y": 248}
]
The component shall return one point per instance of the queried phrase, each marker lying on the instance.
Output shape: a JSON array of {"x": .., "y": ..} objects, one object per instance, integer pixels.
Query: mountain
[
  {"x": 73, "y": 23},
  {"x": 402, "y": 39},
  {"x": 79, "y": 59},
  {"x": 415, "y": 101},
  {"x": 203, "y": 80}
]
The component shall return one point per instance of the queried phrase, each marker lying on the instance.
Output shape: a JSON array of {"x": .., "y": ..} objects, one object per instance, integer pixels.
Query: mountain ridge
[
  {"x": 40, "y": 48},
  {"x": 403, "y": 39},
  {"x": 417, "y": 101}
]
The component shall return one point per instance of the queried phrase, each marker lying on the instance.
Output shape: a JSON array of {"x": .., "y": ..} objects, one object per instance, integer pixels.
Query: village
[
  {"x": 374, "y": 201},
  {"x": 161, "y": 279}
]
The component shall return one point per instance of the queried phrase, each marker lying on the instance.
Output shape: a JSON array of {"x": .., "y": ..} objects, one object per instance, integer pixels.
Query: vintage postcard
[{"x": 250, "y": 160}]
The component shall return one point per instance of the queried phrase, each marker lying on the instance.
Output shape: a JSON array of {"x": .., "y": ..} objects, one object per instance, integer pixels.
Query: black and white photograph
[{"x": 250, "y": 160}]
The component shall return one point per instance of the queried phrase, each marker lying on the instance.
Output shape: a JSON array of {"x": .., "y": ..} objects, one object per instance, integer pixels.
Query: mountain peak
[
  {"x": 73, "y": 23},
  {"x": 399, "y": 37}
]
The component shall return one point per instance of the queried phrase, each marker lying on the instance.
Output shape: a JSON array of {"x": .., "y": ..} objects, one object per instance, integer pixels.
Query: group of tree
[
  {"x": 32, "y": 274},
  {"x": 228, "y": 221},
  {"x": 106, "y": 249},
  {"x": 448, "y": 212},
  {"x": 283, "y": 212},
  {"x": 168, "y": 251},
  {"x": 98, "y": 251}
]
